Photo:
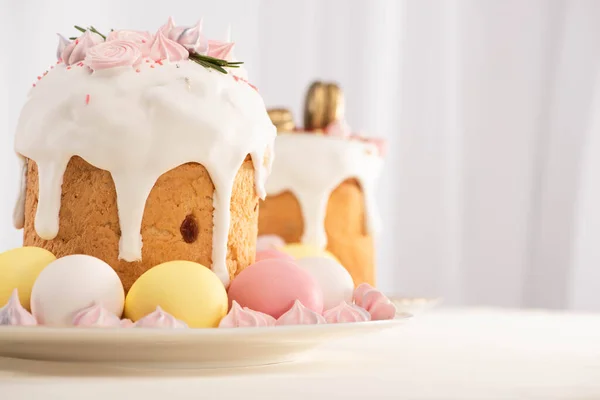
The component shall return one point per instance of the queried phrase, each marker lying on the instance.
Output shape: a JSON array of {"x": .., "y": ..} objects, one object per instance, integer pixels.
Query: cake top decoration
[{"x": 170, "y": 43}]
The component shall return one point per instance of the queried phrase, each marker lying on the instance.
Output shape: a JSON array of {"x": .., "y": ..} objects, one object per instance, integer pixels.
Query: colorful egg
[
  {"x": 71, "y": 284},
  {"x": 19, "y": 268},
  {"x": 268, "y": 254},
  {"x": 299, "y": 250},
  {"x": 333, "y": 278},
  {"x": 188, "y": 291},
  {"x": 272, "y": 286}
]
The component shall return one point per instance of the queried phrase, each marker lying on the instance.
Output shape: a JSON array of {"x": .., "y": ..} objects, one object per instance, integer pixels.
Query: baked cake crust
[
  {"x": 347, "y": 237},
  {"x": 89, "y": 221}
]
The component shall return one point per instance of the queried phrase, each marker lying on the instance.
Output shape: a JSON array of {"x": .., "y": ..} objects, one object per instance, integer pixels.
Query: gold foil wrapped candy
[
  {"x": 282, "y": 119},
  {"x": 324, "y": 104}
]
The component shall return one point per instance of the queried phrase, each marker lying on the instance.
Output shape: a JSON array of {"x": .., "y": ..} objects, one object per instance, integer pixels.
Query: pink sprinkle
[
  {"x": 236, "y": 78},
  {"x": 152, "y": 66},
  {"x": 69, "y": 67},
  {"x": 52, "y": 67},
  {"x": 143, "y": 41},
  {"x": 159, "y": 62},
  {"x": 77, "y": 41},
  {"x": 59, "y": 61},
  {"x": 147, "y": 60},
  {"x": 34, "y": 85},
  {"x": 87, "y": 99},
  {"x": 80, "y": 64},
  {"x": 39, "y": 78},
  {"x": 45, "y": 73},
  {"x": 137, "y": 70}
]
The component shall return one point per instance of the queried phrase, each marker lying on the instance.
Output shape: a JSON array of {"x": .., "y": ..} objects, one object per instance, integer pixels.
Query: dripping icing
[
  {"x": 19, "y": 210},
  {"x": 139, "y": 126},
  {"x": 312, "y": 166}
]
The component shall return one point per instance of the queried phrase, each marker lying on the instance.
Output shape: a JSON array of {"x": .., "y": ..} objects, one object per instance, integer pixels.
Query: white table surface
[{"x": 443, "y": 354}]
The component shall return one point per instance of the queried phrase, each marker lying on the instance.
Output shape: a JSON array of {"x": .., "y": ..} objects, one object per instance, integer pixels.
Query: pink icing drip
[
  {"x": 76, "y": 51},
  {"x": 14, "y": 314},
  {"x": 298, "y": 314},
  {"x": 143, "y": 40},
  {"x": 166, "y": 49},
  {"x": 221, "y": 50},
  {"x": 239, "y": 317},
  {"x": 375, "y": 302},
  {"x": 115, "y": 53},
  {"x": 96, "y": 316},
  {"x": 269, "y": 242},
  {"x": 160, "y": 319},
  {"x": 345, "y": 312}
]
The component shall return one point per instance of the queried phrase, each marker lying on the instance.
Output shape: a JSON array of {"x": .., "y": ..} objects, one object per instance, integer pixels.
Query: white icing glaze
[
  {"x": 311, "y": 166},
  {"x": 137, "y": 126},
  {"x": 19, "y": 210}
]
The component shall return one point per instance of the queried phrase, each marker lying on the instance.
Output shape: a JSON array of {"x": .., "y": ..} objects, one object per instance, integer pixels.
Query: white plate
[
  {"x": 185, "y": 348},
  {"x": 413, "y": 305}
]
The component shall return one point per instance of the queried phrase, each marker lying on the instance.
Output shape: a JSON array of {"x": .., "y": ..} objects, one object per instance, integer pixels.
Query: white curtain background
[{"x": 491, "y": 193}]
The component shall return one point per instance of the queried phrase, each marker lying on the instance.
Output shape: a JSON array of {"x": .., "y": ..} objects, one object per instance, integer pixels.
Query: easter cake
[
  {"x": 144, "y": 156},
  {"x": 139, "y": 149},
  {"x": 321, "y": 192}
]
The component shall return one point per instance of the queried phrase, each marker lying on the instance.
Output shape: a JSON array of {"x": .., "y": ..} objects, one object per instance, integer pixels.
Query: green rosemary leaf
[
  {"x": 80, "y": 29},
  {"x": 96, "y": 31},
  {"x": 73, "y": 38}
]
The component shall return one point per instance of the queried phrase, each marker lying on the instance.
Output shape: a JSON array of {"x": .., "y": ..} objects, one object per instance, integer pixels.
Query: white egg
[
  {"x": 334, "y": 279},
  {"x": 72, "y": 283}
]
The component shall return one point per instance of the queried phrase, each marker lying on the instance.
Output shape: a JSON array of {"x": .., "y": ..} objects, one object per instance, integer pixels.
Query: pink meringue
[
  {"x": 220, "y": 50},
  {"x": 300, "y": 315},
  {"x": 239, "y": 317},
  {"x": 142, "y": 39},
  {"x": 116, "y": 53},
  {"x": 375, "y": 302},
  {"x": 269, "y": 242},
  {"x": 63, "y": 42},
  {"x": 96, "y": 316},
  {"x": 164, "y": 48},
  {"x": 166, "y": 28},
  {"x": 190, "y": 37},
  {"x": 76, "y": 51},
  {"x": 127, "y": 323},
  {"x": 160, "y": 319},
  {"x": 345, "y": 312},
  {"x": 14, "y": 314}
]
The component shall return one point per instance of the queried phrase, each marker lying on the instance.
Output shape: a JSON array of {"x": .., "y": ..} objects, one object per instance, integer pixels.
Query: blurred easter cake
[{"x": 321, "y": 192}]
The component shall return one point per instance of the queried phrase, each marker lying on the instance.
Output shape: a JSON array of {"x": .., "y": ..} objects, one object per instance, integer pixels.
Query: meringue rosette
[
  {"x": 243, "y": 317},
  {"x": 300, "y": 315},
  {"x": 143, "y": 40},
  {"x": 346, "y": 312},
  {"x": 77, "y": 50},
  {"x": 375, "y": 302},
  {"x": 160, "y": 319},
  {"x": 14, "y": 314},
  {"x": 116, "y": 53},
  {"x": 96, "y": 316},
  {"x": 164, "y": 48}
]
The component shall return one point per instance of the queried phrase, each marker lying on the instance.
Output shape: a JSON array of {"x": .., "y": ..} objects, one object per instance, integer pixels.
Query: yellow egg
[
  {"x": 19, "y": 268},
  {"x": 187, "y": 290},
  {"x": 299, "y": 250}
]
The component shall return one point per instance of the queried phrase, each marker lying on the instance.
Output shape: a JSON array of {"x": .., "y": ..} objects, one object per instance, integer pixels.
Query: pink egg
[
  {"x": 272, "y": 286},
  {"x": 269, "y": 254}
]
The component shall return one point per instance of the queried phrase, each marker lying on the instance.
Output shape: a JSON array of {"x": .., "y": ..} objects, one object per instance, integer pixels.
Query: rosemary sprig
[
  {"x": 214, "y": 63},
  {"x": 91, "y": 29}
]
